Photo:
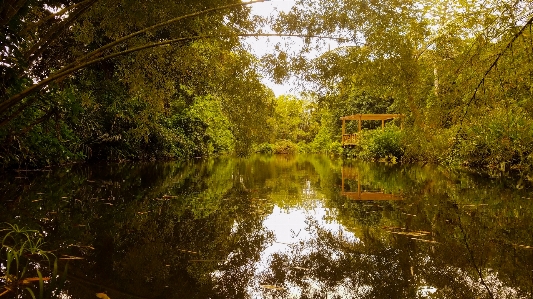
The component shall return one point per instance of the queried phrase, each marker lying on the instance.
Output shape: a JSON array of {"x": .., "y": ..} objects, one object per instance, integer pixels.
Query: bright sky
[{"x": 264, "y": 45}]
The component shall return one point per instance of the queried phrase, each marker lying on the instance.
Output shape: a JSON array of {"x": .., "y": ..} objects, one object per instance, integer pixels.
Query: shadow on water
[{"x": 277, "y": 227}]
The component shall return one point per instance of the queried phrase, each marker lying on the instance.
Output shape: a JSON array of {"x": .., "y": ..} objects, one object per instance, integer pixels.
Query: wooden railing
[{"x": 349, "y": 139}]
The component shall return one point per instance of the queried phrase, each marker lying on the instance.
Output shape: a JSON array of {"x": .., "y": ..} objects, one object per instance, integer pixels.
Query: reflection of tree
[
  {"x": 372, "y": 267},
  {"x": 196, "y": 230},
  {"x": 172, "y": 253},
  {"x": 330, "y": 264},
  {"x": 146, "y": 223},
  {"x": 477, "y": 238}
]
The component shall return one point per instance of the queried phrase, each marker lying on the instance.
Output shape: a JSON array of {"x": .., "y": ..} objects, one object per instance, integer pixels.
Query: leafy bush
[
  {"x": 335, "y": 148},
  {"x": 285, "y": 147},
  {"x": 264, "y": 148},
  {"x": 500, "y": 138},
  {"x": 304, "y": 148},
  {"x": 351, "y": 152},
  {"x": 381, "y": 144},
  {"x": 429, "y": 145},
  {"x": 217, "y": 134}
]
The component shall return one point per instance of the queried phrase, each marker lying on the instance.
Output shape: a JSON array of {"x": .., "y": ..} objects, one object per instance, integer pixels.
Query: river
[{"x": 275, "y": 227}]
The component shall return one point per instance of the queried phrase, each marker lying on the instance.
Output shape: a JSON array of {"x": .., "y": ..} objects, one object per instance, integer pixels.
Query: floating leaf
[
  {"x": 102, "y": 296},
  {"x": 188, "y": 251},
  {"x": 425, "y": 241},
  {"x": 33, "y": 279},
  {"x": 81, "y": 246},
  {"x": 412, "y": 234},
  {"x": 523, "y": 246},
  {"x": 68, "y": 257}
]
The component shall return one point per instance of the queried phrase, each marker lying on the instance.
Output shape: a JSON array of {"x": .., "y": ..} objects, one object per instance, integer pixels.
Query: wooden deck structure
[
  {"x": 351, "y": 173},
  {"x": 351, "y": 139}
]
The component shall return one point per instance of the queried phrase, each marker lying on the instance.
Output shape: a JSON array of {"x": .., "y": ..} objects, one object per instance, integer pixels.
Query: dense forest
[{"x": 117, "y": 80}]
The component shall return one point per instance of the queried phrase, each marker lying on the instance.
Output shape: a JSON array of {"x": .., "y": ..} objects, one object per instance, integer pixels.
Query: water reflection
[
  {"x": 279, "y": 227},
  {"x": 351, "y": 177}
]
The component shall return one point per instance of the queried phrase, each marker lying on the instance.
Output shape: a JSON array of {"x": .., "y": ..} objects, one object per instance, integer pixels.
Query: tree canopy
[
  {"x": 168, "y": 58},
  {"x": 125, "y": 79}
]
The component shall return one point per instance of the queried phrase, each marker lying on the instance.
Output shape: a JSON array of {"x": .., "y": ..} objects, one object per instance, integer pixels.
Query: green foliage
[
  {"x": 284, "y": 147},
  {"x": 443, "y": 64},
  {"x": 292, "y": 119},
  {"x": 297, "y": 125},
  {"x": 218, "y": 137},
  {"x": 19, "y": 247},
  {"x": 177, "y": 101},
  {"x": 264, "y": 148},
  {"x": 335, "y": 148},
  {"x": 430, "y": 145},
  {"x": 381, "y": 144},
  {"x": 304, "y": 148},
  {"x": 325, "y": 136},
  {"x": 431, "y": 62},
  {"x": 501, "y": 138},
  {"x": 349, "y": 102}
]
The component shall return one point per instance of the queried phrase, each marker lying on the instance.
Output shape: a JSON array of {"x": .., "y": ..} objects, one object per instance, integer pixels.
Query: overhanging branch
[
  {"x": 53, "y": 15},
  {"x": 14, "y": 100},
  {"x": 72, "y": 67},
  {"x": 38, "y": 48},
  {"x": 494, "y": 64},
  {"x": 162, "y": 24}
]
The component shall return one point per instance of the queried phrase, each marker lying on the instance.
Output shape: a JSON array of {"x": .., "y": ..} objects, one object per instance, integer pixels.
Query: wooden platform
[{"x": 351, "y": 139}]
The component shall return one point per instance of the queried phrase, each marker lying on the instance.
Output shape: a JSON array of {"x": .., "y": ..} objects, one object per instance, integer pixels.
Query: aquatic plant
[{"x": 21, "y": 259}]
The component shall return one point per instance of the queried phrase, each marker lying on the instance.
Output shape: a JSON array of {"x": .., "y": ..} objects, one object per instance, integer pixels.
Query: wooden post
[
  {"x": 343, "y": 131},
  {"x": 342, "y": 175},
  {"x": 359, "y": 123},
  {"x": 358, "y": 186},
  {"x": 382, "y": 124}
]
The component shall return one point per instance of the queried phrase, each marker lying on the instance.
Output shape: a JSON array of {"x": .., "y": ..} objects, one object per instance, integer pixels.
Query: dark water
[{"x": 278, "y": 227}]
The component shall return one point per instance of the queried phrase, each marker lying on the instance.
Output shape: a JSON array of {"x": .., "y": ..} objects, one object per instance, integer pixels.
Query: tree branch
[
  {"x": 69, "y": 70},
  {"x": 494, "y": 64},
  {"x": 9, "y": 9},
  {"x": 53, "y": 15},
  {"x": 174, "y": 20},
  {"x": 14, "y": 100},
  {"x": 55, "y": 31}
]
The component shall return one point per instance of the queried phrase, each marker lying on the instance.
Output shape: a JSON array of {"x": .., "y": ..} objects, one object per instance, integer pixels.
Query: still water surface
[{"x": 279, "y": 227}]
